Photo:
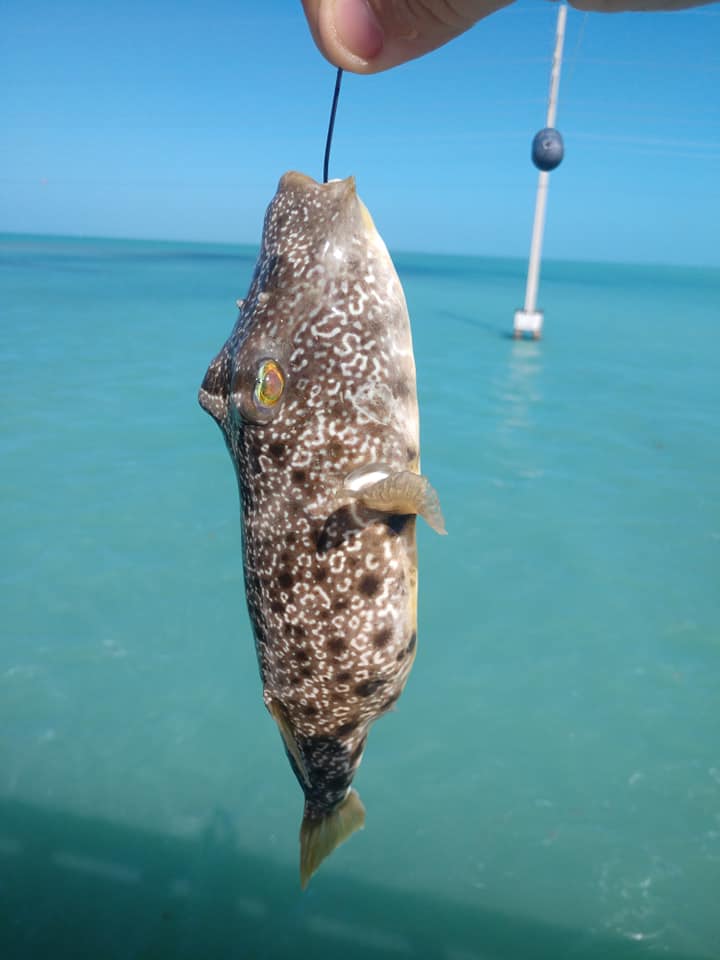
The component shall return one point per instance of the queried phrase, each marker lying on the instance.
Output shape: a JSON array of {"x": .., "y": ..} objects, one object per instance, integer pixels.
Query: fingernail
[{"x": 358, "y": 29}]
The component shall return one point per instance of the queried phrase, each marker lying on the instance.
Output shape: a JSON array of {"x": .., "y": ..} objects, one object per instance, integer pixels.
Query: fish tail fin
[{"x": 319, "y": 837}]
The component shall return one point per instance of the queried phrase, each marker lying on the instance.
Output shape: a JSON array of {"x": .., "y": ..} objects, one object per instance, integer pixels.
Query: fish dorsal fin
[
  {"x": 399, "y": 492},
  {"x": 279, "y": 715}
]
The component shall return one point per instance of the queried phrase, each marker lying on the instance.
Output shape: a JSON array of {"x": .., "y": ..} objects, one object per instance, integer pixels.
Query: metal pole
[{"x": 533, "y": 278}]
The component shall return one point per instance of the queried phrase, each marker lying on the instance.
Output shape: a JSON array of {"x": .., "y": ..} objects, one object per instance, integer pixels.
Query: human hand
[{"x": 367, "y": 36}]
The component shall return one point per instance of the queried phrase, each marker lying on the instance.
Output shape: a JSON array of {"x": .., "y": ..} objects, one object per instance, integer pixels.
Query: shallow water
[{"x": 550, "y": 783}]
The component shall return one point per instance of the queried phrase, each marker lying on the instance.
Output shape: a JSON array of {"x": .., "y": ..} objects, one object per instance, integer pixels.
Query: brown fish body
[{"x": 315, "y": 394}]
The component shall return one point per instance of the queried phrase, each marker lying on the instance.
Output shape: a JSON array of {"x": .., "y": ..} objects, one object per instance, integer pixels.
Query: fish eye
[{"x": 269, "y": 384}]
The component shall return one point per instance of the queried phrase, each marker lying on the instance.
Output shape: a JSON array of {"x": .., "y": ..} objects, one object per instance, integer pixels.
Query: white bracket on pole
[{"x": 530, "y": 319}]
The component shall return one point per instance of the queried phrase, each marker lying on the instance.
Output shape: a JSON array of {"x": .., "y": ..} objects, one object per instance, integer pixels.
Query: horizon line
[{"x": 6, "y": 234}]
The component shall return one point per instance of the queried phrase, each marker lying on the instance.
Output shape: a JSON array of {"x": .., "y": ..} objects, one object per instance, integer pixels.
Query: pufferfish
[{"x": 315, "y": 394}]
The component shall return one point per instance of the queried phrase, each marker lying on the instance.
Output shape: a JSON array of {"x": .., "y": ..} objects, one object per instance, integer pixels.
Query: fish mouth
[
  {"x": 318, "y": 212},
  {"x": 335, "y": 194},
  {"x": 301, "y": 184}
]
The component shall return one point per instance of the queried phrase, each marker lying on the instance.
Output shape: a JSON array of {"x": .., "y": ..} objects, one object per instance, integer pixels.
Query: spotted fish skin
[{"x": 331, "y": 583}]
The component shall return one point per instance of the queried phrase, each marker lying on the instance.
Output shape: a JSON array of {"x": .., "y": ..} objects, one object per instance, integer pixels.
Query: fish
[{"x": 315, "y": 394}]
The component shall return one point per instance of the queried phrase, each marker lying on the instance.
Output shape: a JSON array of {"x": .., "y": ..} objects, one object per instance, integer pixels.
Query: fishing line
[
  {"x": 331, "y": 125},
  {"x": 576, "y": 51}
]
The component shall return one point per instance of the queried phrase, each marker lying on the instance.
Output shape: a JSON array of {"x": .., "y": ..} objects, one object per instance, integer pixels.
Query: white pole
[
  {"x": 533, "y": 277},
  {"x": 532, "y": 317},
  {"x": 557, "y": 63}
]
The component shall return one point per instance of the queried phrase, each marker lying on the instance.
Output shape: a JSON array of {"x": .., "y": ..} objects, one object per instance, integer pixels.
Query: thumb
[{"x": 367, "y": 36}]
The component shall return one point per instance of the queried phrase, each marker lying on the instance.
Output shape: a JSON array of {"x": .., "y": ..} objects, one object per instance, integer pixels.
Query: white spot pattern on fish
[{"x": 331, "y": 582}]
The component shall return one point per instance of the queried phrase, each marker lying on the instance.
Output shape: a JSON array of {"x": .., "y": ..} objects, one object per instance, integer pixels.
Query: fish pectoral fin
[
  {"x": 320, "y": 836},
  {"x": 279, "y": 715},
  {"x": 403, "y": 492}
]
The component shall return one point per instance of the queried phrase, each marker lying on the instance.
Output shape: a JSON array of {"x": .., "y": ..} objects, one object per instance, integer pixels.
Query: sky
[{"x": 175, "y": 120}]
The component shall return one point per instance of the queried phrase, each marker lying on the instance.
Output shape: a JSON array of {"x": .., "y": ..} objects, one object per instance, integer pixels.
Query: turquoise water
[{"x": 549, "y": 786}]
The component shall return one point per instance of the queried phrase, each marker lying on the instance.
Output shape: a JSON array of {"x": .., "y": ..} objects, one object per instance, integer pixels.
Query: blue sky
[{"x": 174, "y": 120}]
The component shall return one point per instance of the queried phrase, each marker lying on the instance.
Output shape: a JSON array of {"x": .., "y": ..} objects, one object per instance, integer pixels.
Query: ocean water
[{"x": 549, "y": 786}]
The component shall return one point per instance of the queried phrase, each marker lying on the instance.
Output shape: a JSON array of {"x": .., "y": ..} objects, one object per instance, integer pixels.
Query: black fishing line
[{"x": 331, "y": 125}]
